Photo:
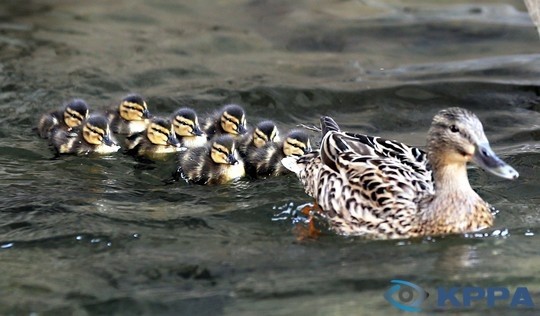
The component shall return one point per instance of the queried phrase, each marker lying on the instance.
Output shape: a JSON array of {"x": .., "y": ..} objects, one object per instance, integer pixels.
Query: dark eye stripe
[
  {"x": 93, "y": 130},
  {"x": 183, "y": 123},
  {"x": 261, "y": 135},
  {"x": 295, "y": 145},
  {"x": 220, "y": 150},
  {"x": 160, "y": 131},
  {"x": 75, "y": 115},
  {"x": 230, "y": 120}
]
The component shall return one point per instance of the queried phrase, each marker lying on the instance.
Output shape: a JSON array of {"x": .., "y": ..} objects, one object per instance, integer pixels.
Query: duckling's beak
[
  {"x": 197, "y": 131},
  {"x": 486, "y": 159},
  {"x": 232, "y": 159},
  {"x": 172, "y": 140},
  {"x": 108, "y": 141},
  {"x": 146, "y": 114},
  {"x": 241, "y": 129}
]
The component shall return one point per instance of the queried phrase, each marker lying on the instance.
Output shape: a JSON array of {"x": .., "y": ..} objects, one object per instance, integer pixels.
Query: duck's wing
[
  {"x": 335, "y": 143},
  {"x": 401, "y": 155},
  {"x": 365, "y": 184}
]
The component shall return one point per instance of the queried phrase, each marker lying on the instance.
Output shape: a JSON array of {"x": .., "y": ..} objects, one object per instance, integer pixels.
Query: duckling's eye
[
  {"x": 260, "y": 135},
  {"x": 95, "y": 131},
  {"x": 454, "y": 129},
  {"x": 220, "y": 150},
  {"x": 296, "y": 145}
]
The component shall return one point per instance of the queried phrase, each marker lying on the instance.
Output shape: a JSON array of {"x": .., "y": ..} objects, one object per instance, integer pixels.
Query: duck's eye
[{"x": 454, "y": 129}]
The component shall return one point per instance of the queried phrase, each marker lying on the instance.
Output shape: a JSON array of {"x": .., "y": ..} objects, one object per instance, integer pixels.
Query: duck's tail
[{"x": 328, "y": 125}]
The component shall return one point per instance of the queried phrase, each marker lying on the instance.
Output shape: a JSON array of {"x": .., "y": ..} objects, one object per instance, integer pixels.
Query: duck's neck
[
  {"x": 451, "y": 178},
  {"x": 455, "y": 207}
]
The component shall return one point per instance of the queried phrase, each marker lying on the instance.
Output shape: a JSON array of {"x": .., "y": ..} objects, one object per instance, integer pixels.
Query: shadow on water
[{"x": 86, "y": 235}]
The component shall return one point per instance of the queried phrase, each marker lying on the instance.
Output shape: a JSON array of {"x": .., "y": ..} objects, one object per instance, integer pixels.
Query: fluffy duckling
[
  {"x": 131, "y": 116},
  {"x": 159, "y": 138},
  {"x": 93, "y": 136},
  {"x": 266, "y": 161},
  {"x": 264, "y": 132},
  {"x": 186, "y": 128},
  {"x": 72, "y": 115},
  {"x": 215, "y": 163},
  {"x": 230, "y": 120}
]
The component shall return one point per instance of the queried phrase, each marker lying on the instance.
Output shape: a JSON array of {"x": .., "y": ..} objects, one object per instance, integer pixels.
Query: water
[{"x": 107, "y": 236}]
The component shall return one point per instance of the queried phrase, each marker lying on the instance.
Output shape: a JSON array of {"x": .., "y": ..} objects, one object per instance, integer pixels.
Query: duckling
[
  {"x": 72, "y": 115},
  {"x": 93, "y": 136},
  {"x": 266, "y": 161},
  {"x": 131, "y": 116},
  {"x": 230, "y": 120},
  {"x": 159, "y": 138},
  {"x": 186, "y": 128},
  {"x": 215, "y": 163},
  {"x": 377, "y": 188},
  {"x": 264, "y": 132}
]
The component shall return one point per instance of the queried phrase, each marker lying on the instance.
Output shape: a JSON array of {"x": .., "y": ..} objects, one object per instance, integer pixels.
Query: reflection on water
[{"x": 80, "y": 235}]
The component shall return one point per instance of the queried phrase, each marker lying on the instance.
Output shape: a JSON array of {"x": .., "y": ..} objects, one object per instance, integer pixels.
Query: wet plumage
[
  {"x": 216, "y": 163},
  {"x": 93, "y": 136},
  {"x": 72, "y": 115},
  {"x": 130, "y": 117},
  {"x": 385, "y": 189}
]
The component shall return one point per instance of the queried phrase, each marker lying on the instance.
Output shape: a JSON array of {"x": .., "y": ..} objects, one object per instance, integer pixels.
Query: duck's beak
[
  {"x": 108, "y": 141},
  {"x": 486, "y": 159},
  {"x": 241, "y": 129},
  {"x": 197, "y": 131},
  {"x": 172, "y": 140},
  {"x": 146, "y": 114},
  {"x": 232, "y": 159}
]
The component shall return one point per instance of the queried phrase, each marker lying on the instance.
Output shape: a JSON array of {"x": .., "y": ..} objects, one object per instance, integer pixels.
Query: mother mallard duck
[{"x": 384, "y": 189}]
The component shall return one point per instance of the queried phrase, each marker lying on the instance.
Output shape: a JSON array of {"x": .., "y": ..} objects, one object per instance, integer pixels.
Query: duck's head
[
  {"x": 160, "y": 132},
  {"x": 186, "y": 123},
  {"x": 456, "y": 136},
  {"x": 75, "y": 112},
  {"x": 96, "y": 131},
  {"x": 264, "y": 132},
  {"x": 223, "y": 150},
  {"x": 233, "y": 119},
  {"x": 296, "y": 143},
  {"x": 134, "y": 108}
]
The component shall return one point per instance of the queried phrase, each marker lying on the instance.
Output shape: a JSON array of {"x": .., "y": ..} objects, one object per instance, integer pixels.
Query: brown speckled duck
[{"x": 384, "y": 189}]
